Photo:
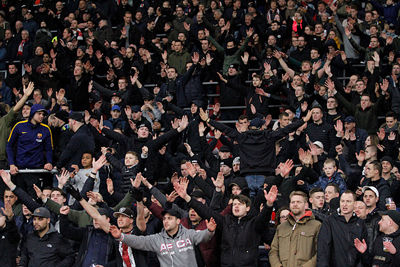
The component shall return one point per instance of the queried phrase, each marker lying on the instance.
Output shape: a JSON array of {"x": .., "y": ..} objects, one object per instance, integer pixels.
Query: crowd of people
[{"x": 146, "y": 133}]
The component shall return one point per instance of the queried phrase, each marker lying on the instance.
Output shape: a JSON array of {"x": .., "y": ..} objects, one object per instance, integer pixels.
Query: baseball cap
[
  {"x": 41, "y": 212},
  {"x": 234, "y": 66},
  {"x": 224, "y": 149},
  {"x": 77, "y": 116},
  {"x": 124, "y": 211},
  {"x": 227, "y": 162},
  {"x": 319, "y": 144},
  {"x": 115, "y": 107},
  {"x": 62, "y": 115},
  {"x": 136, "y": 108},
  {"x": 171, "y": 212},
  {"x": 394, "y": 215},
  {"x": 372, "y": 188},
  {"x": 349, "y": 119}
]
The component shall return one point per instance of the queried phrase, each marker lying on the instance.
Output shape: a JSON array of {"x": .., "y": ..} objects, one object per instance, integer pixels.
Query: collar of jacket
[
  {"x": 303, "y": 219},
  {"x": 167, "y": 236},
  {"x": 51, "y": 230}
]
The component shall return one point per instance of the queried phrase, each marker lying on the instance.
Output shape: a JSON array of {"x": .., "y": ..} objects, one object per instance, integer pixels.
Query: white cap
[
  {"x": 319, "y": 144},
  {"x": 372, "y": 188}
]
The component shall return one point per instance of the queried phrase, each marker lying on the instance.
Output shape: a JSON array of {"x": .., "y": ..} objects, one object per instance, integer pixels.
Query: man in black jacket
[
  {"x": 241, "y": 232},
  {"x": 257, "y": 149},
  {"x": 82, "y": 141},
  {"x": 386, "y": 248},
  {"x": 337, "y": 236},
  {"x": 45, "y": 247}
]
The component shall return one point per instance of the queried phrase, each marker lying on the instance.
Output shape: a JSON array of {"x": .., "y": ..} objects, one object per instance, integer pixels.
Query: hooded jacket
[
  {"x": 30, "y": 145},
  {"x": 171, "y": 251},
  {"x": 49, "y": 250},
  {"x": 295, "y": 242},
  {"x": 336, "y": 241}
]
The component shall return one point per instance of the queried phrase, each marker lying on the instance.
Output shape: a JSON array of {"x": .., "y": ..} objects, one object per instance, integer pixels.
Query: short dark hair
[
  {"x": 315, "y": 190},
  {"x": 391, "y": 114},
  {"x": 377, "y": 166},
  {"x": 60, "y": 191},
  {"x": 242, "y": 199},
  {"x": 335, "y": 186},
  {"x": 283, "y": 114}
]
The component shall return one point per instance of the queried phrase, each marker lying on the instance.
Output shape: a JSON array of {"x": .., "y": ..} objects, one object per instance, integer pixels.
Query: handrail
[{"x": 53, "y": 171}]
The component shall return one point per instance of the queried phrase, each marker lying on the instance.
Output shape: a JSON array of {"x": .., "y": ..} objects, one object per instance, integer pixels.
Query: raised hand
[
  {"x": 38, "y": 191},
  {"x": 138, "y": 180},
  {"x": 360, "y": 156},
  {"x": 307, "y": 117},
  {"x": 171, "y": 197},
  {"x": 191, "y": 169},
  {"x": 6, "y": 178},
  {"x": 219, "y": 182},
  {"x": 63, "y": 178},
  {"x": 29, "y": 89},
  {"x": 222, "y": 77},
  {"x": 110, "y": 186},
  {"x": 339, "y": 127},
  {"x": 211, "y": 224},
  {"x": 286, "y": 168},
  {"x": 202, "y": 129},
  {"x": 115, "y": 232},
  {"x": 271, "y": 195},
  {"x": 381, "y": 134},
  {"x": 99, "y": 163},
  {"x": 183, "y": 123},
  {"x": 360, "y": 246},
  {"x": 64, "y": 210},
  {"x": 203, "y": 115},
  {"x": 195, "y": 58},
  {"x": 7, "y": 210}
]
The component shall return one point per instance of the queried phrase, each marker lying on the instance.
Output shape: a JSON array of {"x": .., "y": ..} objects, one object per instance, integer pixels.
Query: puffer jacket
[{"x": 295, "y": 242}]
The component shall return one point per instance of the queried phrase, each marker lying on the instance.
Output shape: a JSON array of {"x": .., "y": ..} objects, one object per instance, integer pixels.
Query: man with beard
[
  {"x": 45, "y": 247},
  {"x": 125, "y": 218},
  {"x": 295, "y": 241}
]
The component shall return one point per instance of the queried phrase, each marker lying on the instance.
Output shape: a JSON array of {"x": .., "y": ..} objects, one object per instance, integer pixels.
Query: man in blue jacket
[{"x": 30, "y": 145}]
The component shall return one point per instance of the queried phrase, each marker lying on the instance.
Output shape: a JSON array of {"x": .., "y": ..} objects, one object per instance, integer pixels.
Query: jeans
[{"x": 255, "y": 183}]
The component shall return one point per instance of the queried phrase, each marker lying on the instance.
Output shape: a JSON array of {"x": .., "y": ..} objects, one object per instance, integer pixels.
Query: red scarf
[
  {"x": 294, "y": 25},
  {"x": 21, "y": 47}
]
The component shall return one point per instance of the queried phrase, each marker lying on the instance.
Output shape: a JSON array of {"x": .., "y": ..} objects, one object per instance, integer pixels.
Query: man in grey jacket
[{"x": 175, "y": 244}]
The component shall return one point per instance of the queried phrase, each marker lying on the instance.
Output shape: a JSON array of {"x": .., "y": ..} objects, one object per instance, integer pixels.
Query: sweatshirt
[{"x": 171, "y": 251}]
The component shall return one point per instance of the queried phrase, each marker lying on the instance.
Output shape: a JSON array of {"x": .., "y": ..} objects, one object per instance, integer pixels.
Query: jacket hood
[
  {"x": 308, "y": 215},
  {"x": 36, "y": 108}
]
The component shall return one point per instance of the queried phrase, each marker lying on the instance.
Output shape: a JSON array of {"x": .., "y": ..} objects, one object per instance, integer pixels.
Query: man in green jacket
[{"x": 295, "y": 241}]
